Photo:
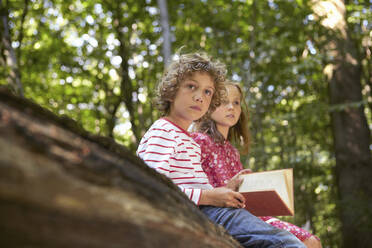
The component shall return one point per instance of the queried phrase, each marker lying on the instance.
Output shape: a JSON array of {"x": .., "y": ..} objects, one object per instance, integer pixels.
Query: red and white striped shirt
[{"x": 170, "y": 150}]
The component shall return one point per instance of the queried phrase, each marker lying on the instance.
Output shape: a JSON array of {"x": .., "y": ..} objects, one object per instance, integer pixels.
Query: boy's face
[{"x": 192, "y": 99}]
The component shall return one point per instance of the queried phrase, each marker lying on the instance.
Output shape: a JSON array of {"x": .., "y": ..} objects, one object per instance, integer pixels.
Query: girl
[{"x": 221, "y": 161}]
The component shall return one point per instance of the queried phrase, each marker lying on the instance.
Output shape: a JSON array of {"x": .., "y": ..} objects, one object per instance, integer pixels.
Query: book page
[
  {"x": 269, "y": 180},
  {"x": 289, "y": 183}
]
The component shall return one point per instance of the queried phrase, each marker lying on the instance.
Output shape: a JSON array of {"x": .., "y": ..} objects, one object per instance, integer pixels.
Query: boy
[{"x": 189, "y": 88}]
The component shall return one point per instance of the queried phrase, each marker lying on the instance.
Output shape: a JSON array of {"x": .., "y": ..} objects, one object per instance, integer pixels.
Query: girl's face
[{"x": 228, "y": 113}]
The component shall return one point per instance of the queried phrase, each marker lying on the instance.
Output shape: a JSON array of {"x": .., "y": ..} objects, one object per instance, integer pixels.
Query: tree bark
[
  {"x": 62, "y": 187},
  {"x": 350, "y": 129},
  {"x": 14, "y": 76},
  {"x": 164, "y": 20}
]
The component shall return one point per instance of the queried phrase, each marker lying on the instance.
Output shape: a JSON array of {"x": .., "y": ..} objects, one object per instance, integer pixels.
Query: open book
[{"x": 268, "y": 193}]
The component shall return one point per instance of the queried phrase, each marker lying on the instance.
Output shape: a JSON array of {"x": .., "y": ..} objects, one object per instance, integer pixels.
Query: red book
[{"x": 268, "y": 193}]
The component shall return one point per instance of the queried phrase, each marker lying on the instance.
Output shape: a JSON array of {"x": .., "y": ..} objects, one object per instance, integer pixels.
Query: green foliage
[{"x": 72, "y": 62}]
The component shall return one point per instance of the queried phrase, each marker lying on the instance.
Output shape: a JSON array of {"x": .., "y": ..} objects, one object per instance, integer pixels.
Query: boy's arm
[
  {"x": 222, "y": 197},
  {"x": 195, "y": 195},
  {"x": 157, "y": 149}
]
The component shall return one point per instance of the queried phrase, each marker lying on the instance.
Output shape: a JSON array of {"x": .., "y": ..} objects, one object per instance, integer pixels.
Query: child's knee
[{"x": 313, "y": 242}]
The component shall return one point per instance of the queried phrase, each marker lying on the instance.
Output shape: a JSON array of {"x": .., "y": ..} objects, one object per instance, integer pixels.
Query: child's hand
[
  {"x": 222, "y": 197},
  {"x": 236, "y": 181}
]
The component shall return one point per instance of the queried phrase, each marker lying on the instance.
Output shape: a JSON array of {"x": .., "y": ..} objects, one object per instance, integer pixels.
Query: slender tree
[
  {"x": 14, "y": 76},
  {"x": 164, "y": 20},
  {"x": 126, "y": 83}
]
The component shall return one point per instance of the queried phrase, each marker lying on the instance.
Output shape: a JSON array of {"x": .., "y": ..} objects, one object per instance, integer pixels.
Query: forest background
[{"x": 305, "y": 67}]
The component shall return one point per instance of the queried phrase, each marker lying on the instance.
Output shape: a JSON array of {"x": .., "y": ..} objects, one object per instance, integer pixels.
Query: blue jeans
[{"x": 249, "y": 230}]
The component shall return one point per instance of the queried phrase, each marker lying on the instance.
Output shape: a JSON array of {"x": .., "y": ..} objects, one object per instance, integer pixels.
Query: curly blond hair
[{"x": 183, "y": 67}]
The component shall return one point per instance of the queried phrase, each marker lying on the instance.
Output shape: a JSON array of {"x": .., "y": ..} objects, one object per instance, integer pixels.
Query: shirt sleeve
[
  {"x": 193, "y": 194},
  {"x": 238, "y": 164},
  {"x": 157, "y": 149}
]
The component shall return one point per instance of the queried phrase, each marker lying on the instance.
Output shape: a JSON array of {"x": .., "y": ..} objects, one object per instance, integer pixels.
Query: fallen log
[{"x": 61, "y": 186}]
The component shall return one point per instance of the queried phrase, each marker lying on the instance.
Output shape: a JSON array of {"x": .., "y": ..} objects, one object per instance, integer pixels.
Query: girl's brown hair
[
  {"x": 238, "y": 134},
  {"x": 183, "y": 67}
]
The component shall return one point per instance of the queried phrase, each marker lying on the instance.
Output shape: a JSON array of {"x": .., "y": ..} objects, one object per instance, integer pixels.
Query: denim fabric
[{"x": 249, "y": 230}]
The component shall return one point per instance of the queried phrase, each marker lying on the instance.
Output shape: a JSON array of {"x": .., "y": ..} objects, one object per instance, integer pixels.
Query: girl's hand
[
  {"x": 236, "y": 181},
  {"x": 222, "y": 197}
]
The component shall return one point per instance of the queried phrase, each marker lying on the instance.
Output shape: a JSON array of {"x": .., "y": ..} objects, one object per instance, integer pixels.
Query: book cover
[{"x": 269, "y": 193}]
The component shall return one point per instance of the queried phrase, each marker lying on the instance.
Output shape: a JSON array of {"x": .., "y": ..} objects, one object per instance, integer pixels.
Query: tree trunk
[
  {"x": 21, "y": 31},
  {"x": 350, "y": 129},
  {"x": 164, "y": 20},
  {"x": 353, "y": 156},
  {"x": 62, "y": 187},
  {"x": 14, "y": 76},
  {"x": 126, "y": 85}
]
